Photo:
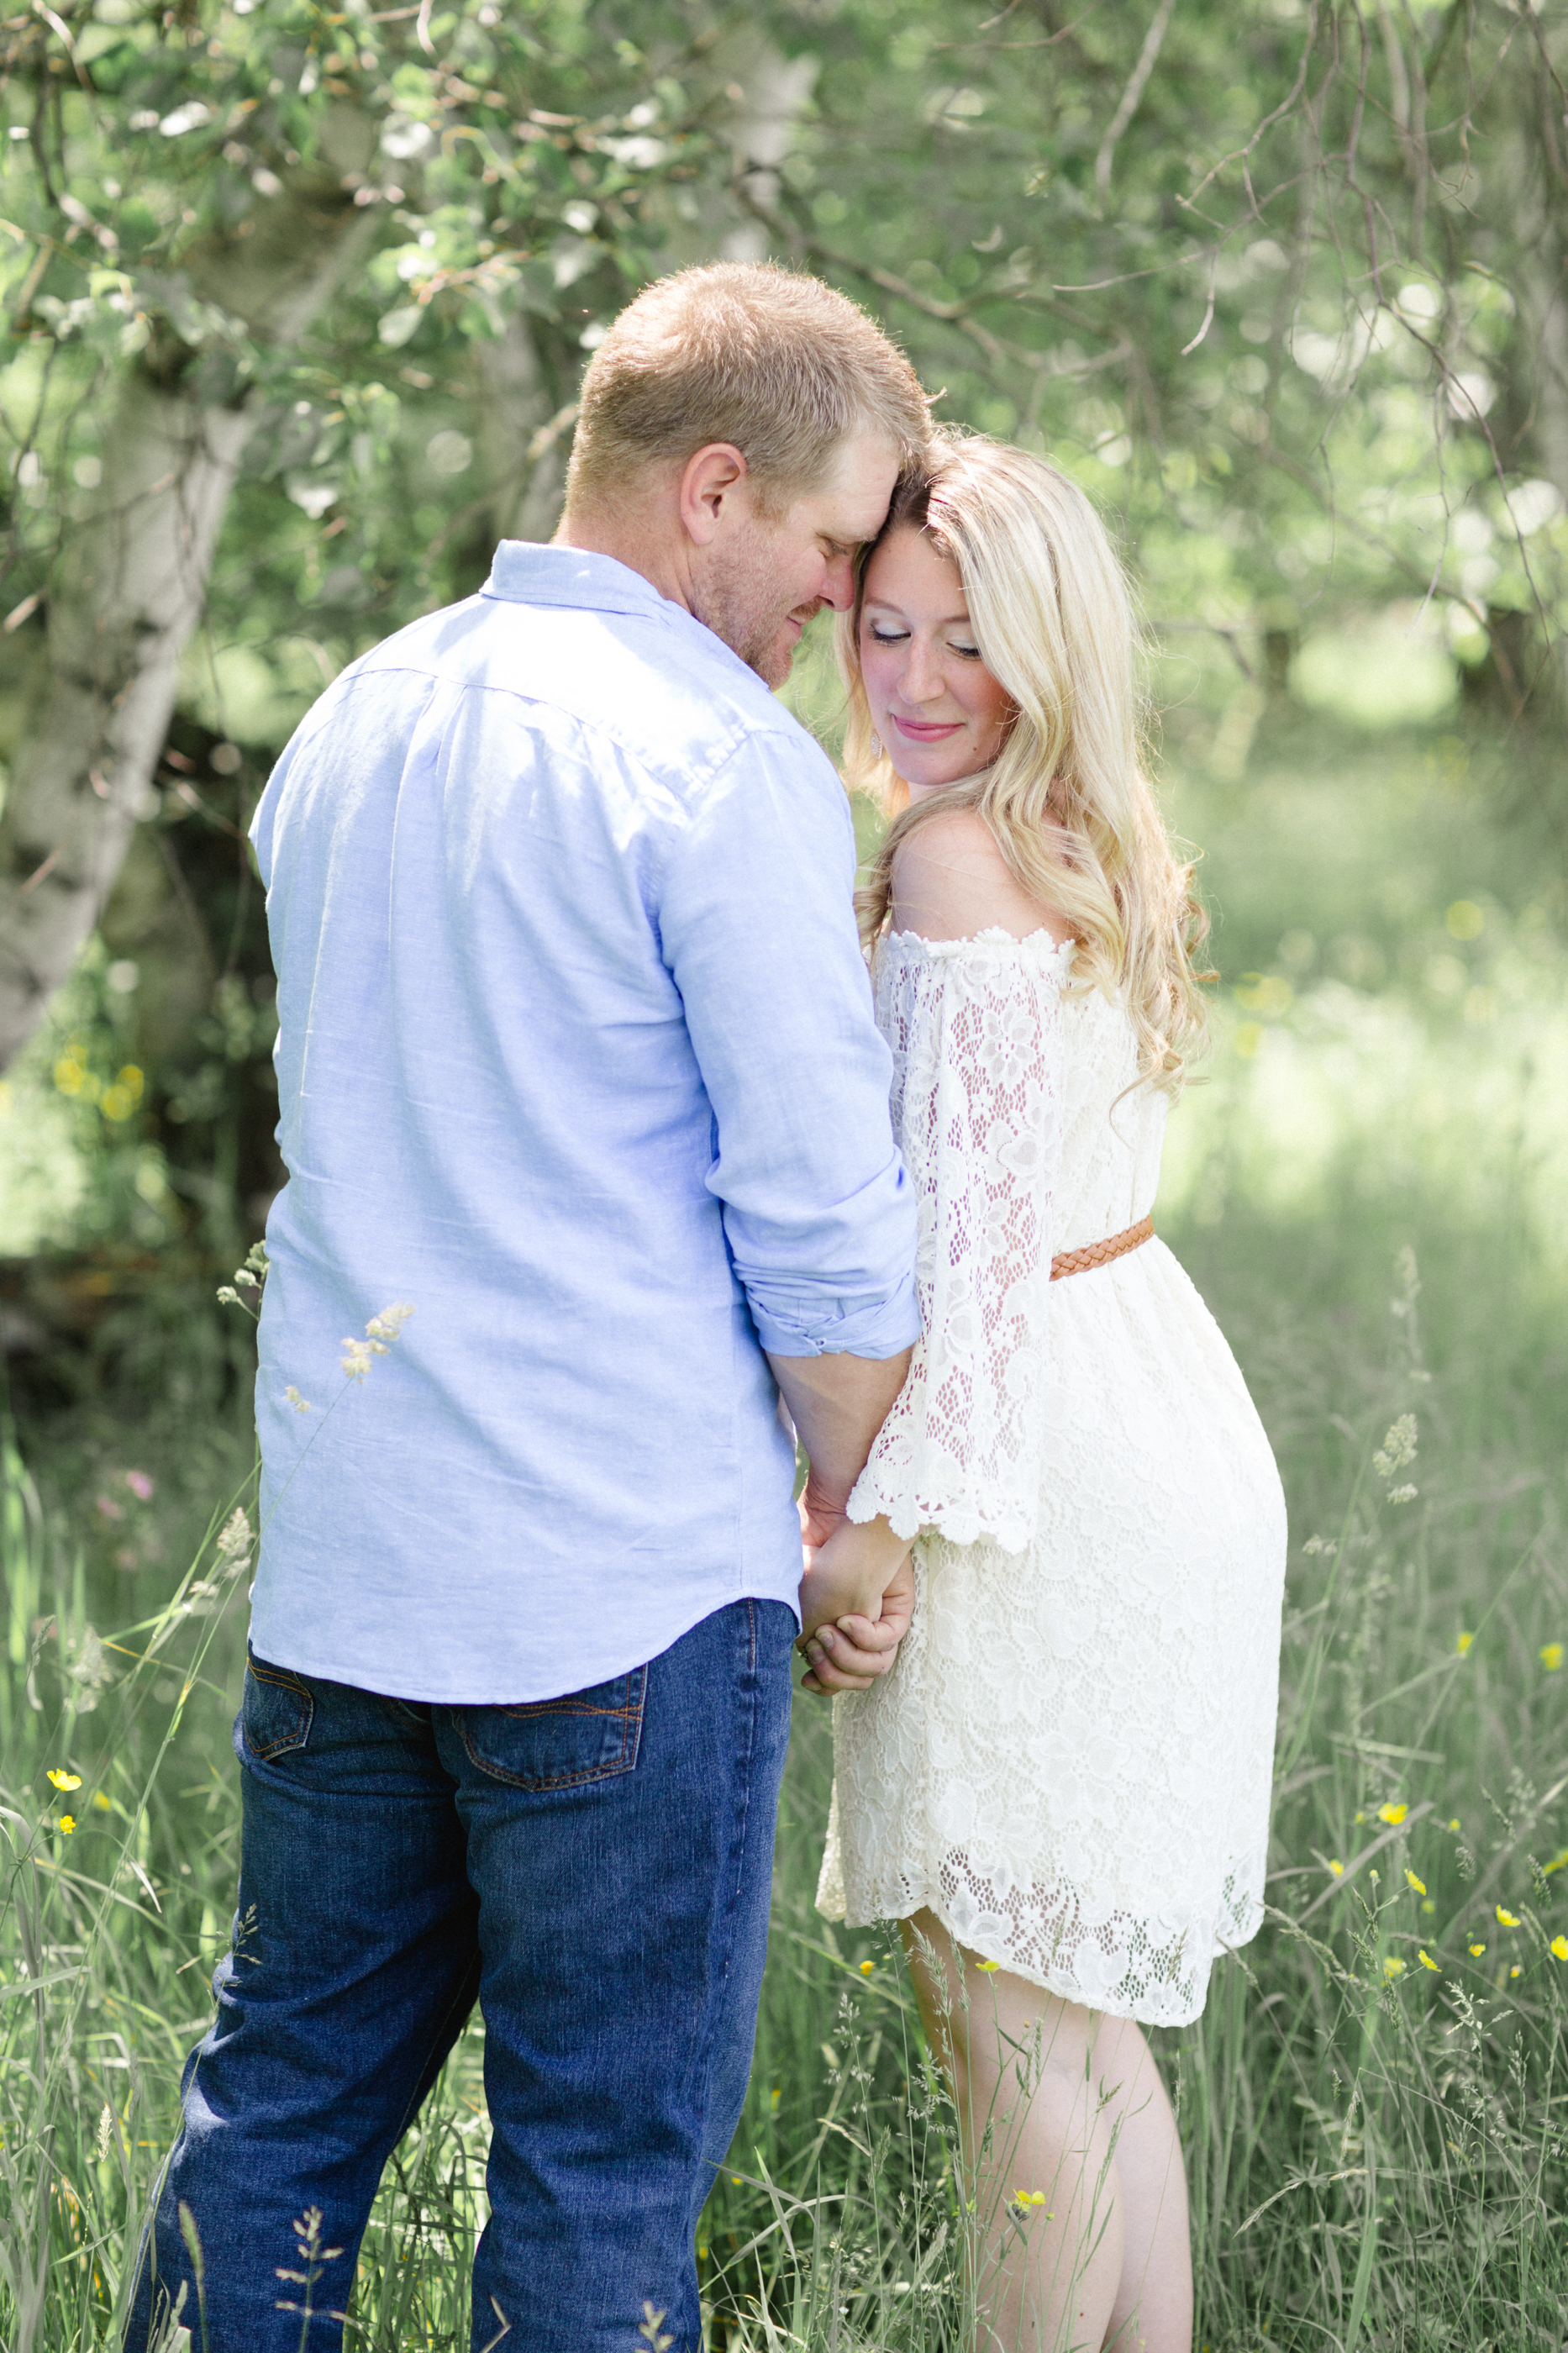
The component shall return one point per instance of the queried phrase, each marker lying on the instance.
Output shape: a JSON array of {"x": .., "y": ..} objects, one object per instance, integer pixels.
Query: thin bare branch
[{"x": 1153, "y": 39}]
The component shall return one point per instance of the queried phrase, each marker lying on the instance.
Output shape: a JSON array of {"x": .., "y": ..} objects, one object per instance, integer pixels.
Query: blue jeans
[{"x": 594, "y": 1870}]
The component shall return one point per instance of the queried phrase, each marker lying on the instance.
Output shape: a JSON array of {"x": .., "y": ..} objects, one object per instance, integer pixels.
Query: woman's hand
[{"x": 856, "y": 1601}]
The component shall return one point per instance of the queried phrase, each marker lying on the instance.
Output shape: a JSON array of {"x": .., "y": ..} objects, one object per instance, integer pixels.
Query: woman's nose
[{"x": 922, "y": 680}]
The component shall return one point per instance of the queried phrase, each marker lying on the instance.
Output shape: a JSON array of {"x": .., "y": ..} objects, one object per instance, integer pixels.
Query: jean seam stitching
[
  {"x": 282, "y": 1676},
  {"x": 553, "y": 1707}
]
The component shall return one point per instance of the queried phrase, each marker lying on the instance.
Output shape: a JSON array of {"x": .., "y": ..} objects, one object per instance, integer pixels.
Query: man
[{"x": 577, "y": 1063}]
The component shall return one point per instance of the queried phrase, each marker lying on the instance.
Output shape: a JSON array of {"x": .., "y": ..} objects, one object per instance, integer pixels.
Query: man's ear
[{"x": 709, "y": 483}]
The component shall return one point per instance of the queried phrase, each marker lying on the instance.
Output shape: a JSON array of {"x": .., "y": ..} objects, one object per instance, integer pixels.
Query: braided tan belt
[{"x": 1101, "y": 1253}]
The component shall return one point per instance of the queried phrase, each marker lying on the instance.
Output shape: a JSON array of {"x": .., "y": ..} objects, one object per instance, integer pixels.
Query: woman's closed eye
[{"x": 880, "y": 635}]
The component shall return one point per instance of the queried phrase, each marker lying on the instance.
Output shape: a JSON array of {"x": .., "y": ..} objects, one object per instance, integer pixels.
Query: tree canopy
[{"x": 296, "y": 301}]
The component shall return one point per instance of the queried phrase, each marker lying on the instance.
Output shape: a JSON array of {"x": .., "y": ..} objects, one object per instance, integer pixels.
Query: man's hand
[
  {"x": 858, "y": 1592},
  {"x": 849, "y": 1651},
  {"x": 836, "y": 1405},
  {"x": 821, "y": 1516},
  {"x": 849, "y": 1656}
]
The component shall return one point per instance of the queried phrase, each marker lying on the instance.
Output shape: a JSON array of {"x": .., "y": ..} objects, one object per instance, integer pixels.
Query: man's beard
[{"x": 738, "y": 600}]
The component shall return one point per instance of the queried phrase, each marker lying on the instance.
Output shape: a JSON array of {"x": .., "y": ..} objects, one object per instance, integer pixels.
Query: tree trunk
[
  {"x": 768, "y": 91},
  {"x": 522, "y": 457},
  {"x": 1522, "y": 684},
  {"x": 130, "y": 587}
]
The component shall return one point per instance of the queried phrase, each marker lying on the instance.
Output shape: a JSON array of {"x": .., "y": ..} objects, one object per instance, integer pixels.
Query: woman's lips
[{"x": 926, "y": 731}]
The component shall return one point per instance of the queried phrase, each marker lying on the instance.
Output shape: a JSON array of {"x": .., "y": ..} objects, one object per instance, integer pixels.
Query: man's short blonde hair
[{"x": 768, "y": 359}]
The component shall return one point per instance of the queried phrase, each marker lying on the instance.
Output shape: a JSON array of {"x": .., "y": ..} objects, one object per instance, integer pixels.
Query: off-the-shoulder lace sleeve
[{"x": 974, "y": 1027}]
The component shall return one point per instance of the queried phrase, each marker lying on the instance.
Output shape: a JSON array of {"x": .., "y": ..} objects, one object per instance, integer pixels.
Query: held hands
[{"x": 856, "y": 1599}]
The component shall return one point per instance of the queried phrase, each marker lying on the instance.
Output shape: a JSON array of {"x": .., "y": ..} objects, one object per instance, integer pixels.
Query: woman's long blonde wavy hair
[{"x": 1067, "y": 800}]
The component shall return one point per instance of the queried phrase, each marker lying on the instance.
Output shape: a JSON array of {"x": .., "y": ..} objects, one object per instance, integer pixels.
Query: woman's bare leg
[{"x": 1079, "y": 2120}]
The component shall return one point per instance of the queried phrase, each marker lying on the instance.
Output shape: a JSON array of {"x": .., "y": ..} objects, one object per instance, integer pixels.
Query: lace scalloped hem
[
  {"x": 1153, "y": 1970},
  {"x": 960, "y": 1524}
]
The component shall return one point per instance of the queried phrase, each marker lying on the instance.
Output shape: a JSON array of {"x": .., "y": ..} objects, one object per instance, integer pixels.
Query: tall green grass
[{"x": 1373, "y": 2111}]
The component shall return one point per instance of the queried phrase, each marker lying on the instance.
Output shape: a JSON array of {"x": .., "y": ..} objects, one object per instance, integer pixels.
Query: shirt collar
[
  {"x": 576, "y": 579},
  {"x": 525, "y": 573}
]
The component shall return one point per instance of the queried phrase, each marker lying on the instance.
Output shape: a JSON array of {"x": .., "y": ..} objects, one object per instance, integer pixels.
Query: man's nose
[{"x": 839, "y": 583}]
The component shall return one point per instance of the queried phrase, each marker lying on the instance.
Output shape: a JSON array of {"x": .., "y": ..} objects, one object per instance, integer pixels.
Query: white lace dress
[{"x": 1070, "y": 1763}]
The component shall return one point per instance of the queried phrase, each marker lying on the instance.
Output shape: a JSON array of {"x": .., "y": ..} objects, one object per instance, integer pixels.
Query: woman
[{"x": 1061, "y": 1791}]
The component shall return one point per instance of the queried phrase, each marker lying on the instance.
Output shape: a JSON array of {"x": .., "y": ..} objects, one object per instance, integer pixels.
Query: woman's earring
[{"x": 876, "y": 746}]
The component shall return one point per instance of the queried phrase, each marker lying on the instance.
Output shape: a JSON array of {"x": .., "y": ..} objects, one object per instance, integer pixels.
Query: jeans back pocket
[
  {"x": 276, "y": 1709},
  {"x": 556, "y": 1744}
]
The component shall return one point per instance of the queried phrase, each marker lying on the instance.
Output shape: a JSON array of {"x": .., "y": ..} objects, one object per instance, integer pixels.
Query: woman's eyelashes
[{"x": 880, "y": 635}]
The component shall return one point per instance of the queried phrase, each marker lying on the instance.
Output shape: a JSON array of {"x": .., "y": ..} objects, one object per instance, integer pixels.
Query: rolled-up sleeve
[{"x": 757, "y": 932}]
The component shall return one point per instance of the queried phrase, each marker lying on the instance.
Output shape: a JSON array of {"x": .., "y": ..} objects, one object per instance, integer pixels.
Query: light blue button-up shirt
[{"x": 576, "y": 1056}]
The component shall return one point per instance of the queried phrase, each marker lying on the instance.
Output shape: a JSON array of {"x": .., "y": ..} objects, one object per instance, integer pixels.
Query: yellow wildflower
[
  {"x": 1557, "y": 1862},
  {"x": 1393, "y": 1814},
  {"x": 101, "y": 1800},
  {"x": 1392, "y": 1967},
  {"x": 866, "y": 1968},
  {"x": 1478, "y": 1950},
  {"x": 1463, "y": 1644},
  {"x": 1336, "y": 1866},
  {"x": 1515, "y": 1971},
  {"x": 67, "y": 1823},
  {"x": 1507, "y": 1919},
  {"x": 1455, "y": 1823},
  {"x": 989, "y": 1966},
  {"x": 1419, "y": 1885},
  {"x": 60, "y": 1779},
  {"x": 1424, "y": 1957},
  {"x": 1560, "y": 1948},
  {"x": 1552, "y": 1656}
]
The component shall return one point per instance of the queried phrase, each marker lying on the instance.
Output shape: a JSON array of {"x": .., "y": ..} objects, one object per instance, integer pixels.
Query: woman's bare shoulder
[{"x": 951, "y": 880}]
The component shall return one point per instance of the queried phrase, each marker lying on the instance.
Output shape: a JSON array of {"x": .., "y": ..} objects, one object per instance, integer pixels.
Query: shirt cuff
[{"x": 865, "y": 1324}]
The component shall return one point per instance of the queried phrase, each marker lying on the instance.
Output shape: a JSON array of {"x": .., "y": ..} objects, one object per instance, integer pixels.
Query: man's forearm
[{"x": 838, "y": 1405}]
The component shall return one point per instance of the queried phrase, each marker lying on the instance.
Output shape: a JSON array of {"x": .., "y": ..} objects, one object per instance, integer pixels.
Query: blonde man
[{"x": 576, "y": 1060}]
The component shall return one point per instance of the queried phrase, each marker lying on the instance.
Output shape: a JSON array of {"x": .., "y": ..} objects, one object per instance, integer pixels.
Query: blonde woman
[{"x": 1061, "y": 1791}]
